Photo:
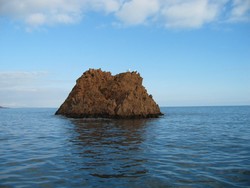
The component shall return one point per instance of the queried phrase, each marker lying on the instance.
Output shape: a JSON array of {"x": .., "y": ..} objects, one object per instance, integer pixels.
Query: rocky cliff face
[{"x": 99, "y": 94}]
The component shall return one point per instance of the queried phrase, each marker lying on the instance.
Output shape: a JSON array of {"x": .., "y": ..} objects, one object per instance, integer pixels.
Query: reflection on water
[
  {"x": 111, "y": 148},
  {"x": 188, "y": 147}
]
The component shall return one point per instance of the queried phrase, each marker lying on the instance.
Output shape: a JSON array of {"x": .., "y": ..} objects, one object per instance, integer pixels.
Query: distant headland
[{"x": 98, "y": 94}]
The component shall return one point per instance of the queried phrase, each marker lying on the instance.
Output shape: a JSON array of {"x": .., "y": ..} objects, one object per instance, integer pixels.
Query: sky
[{"x": 189, "y": 52}]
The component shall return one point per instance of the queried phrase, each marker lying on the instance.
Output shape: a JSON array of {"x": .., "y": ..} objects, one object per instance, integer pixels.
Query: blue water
[{"x": 187, "y": 147}]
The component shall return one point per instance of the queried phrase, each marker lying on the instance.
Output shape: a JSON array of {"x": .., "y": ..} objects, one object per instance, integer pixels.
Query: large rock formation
[{"x": 99, "y": 94}]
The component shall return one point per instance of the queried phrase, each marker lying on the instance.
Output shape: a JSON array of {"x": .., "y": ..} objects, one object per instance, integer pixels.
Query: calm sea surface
[{"x": 187, "y": 147}]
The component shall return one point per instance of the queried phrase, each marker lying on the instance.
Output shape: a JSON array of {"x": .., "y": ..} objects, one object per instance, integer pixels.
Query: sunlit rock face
[{"x": 98, "y": 94}]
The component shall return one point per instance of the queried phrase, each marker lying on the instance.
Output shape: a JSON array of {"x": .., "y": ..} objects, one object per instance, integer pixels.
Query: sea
[{"x": 186, "y": 147}]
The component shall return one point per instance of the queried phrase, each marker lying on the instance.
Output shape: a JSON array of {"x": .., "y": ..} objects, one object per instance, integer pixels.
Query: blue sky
[{"x": 189, "y": 52}]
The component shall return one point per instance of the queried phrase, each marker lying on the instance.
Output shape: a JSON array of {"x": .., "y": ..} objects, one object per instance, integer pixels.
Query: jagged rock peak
[{"x": 98, "y": 94}]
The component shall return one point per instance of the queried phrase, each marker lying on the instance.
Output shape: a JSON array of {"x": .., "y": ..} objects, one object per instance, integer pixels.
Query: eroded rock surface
[{"x": 98, "y": 94}]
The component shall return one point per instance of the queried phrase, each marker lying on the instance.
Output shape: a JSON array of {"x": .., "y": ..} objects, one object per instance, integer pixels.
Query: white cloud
[
  {"x": 41, "y": 12},
  {"x": 36, "y": 19},
  {"x": 137, "y": 11},
  {"x": 240, "y": 10},
  {"x": 49, "y": 12},
  {"x": 190, "y": 13},
  {"x": 171, "y": 13}
]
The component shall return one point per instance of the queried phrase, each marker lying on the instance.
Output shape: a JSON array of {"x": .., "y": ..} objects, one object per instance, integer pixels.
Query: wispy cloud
[
  {"x": 31, "y": 89},
  {"x": 171, "y": 13},
  {"x": 18, "y": 80}
]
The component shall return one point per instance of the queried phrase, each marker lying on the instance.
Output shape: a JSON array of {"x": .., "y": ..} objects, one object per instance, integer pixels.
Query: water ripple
[{"x": 188, "y": 147}]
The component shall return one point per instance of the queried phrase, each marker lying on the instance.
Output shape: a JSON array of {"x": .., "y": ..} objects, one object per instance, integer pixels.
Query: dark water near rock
[{"x": 188, "y": 147}]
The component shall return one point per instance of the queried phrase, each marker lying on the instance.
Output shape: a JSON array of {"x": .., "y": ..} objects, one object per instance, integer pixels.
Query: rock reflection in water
[{"x": 111, "y": 148}]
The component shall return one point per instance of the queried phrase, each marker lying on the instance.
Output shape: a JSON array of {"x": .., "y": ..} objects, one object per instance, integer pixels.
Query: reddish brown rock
[{"x": 99, "y": 94}]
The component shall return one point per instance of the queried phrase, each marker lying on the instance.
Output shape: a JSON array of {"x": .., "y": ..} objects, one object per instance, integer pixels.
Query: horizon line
[{"x": 163, "y": 106}]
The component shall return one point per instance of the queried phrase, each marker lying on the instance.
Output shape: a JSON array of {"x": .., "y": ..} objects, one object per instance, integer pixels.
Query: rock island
[{"x": 98, "y": 94}]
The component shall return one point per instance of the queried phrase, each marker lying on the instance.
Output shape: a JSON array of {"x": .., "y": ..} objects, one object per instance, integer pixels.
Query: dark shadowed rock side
[{"x": 98, "y": 94}]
